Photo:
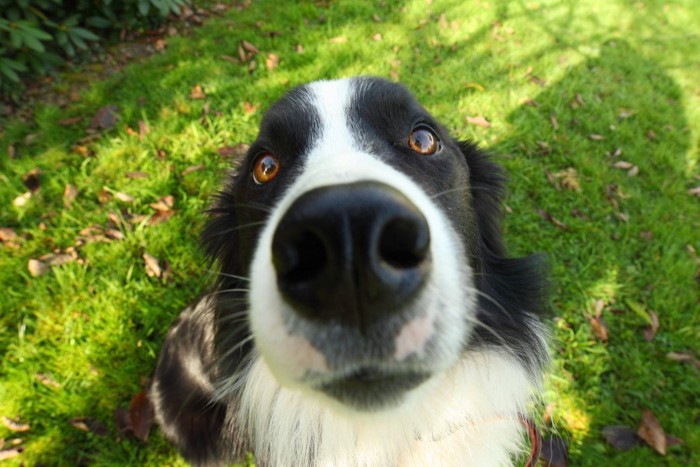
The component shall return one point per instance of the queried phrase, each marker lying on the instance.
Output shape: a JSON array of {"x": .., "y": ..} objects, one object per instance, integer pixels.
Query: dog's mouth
[{"x": 371, "y": 388}]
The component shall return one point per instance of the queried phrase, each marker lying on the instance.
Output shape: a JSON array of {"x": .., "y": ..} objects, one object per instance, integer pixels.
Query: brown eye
[
  {"x": 265, "y": 168},
  {"x": 423, "y": 141}
]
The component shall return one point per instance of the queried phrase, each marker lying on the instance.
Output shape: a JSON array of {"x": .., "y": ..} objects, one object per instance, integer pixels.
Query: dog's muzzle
[{"x": 351, "y": 254}]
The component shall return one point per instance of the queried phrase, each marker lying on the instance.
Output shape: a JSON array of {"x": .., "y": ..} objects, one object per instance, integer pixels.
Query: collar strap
[{"x": 535, "y": 441}]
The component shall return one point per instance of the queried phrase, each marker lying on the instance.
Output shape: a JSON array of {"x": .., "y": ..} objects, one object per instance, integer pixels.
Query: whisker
[
  {"x": 492, "y": 300},
  {"x": 239, "y": 227}
]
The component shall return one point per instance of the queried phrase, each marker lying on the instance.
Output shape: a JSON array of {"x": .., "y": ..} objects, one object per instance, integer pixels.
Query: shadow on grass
[{"x": 599, "y": 256}]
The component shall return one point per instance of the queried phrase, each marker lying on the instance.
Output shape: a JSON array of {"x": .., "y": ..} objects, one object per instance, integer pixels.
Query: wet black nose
[{"x": 351, "y": 253}]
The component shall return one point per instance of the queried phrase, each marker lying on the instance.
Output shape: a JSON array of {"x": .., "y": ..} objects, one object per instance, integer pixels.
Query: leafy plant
[{"x": 38, "y": 35}]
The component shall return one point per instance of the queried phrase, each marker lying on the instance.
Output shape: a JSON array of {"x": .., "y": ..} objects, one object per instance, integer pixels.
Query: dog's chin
[{"x": 372, "y": 390}]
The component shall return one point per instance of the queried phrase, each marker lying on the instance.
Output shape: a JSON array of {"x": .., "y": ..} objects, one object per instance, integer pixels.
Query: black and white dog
[{"x": 365, "y": 312}]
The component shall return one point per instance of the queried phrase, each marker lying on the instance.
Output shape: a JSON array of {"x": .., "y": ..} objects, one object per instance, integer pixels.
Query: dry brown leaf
[
  {"x": 192, "y": 168},
  {"x": 165, "y": 203},
  {"x": 47, "y": 380},
  {"x": 633, "y": 172},
  {"x": 600, "y": 327},
  {"x": 89, "y": 425},
  {"x": 37, "y": 268},
  {"x": 247, "y": 46},
  {"x": 153, "y": 268},
  {"x": 551, "y": 219},
  {"x": 14, "y": 425},
  {"x": 197, "y": 92},
  {"x": 479, "y": 120},
  {"x": 377, "y": 37},
  {"x": 650, "y": 331},
  {"x": 10, "y": 453},
  {"x": 652, "y": 433},
  {"x": 69, "y": 121},
  {"x": 338, "y": 40},
  {"x": 623, "y": 165},
  {"x": 249, "y": 108},
  {"x": 554, "y": 122},
  {"x": 105, "y": 118},
  {"x": 624, "y": 113},
  {"x": 22, "y": 199},
  {"x": 596, "y": 137},
  {"x": 7, "y": 234},
  {"x": 272, "y": 61},
  {"x": 160, "y": 44},
  {"x": 251, "y": 66},
  {"x": 124, "y": 197},
  {"x": 695, "y": 191},
  {"x": 114, "y": 234},
  {"x": 143, "y": 129},
  {"x": 568, "y": 178},
  {"x": 69, "y": 194},
  {"x": 298, "y": 48},
  {"x": 651, "y": 135}
]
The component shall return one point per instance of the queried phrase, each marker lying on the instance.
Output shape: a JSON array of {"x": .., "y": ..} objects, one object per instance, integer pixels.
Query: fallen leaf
[
  {"x": 249, "y": 108},
  {"x": 651, "y": 135},
  {"x": 192, "y": 168},
  {"x": 624, "y": 113},
  {"x": 105, "y": 118},
  {"x": 14, "y": 425},
  {"x": 47, "y": 380},
  {"x": 10, "y": 453},
  {"x": 683, "y": 357},
  {"x": 554, "y": 122},
  {"x": 298, "y": 48},
  {"x": 377, "y": 37},
  {"x": 650, "y": 331},
  {"x": 251, "y": 66},
  {"x": 479, "y": 120},
  {"x": 164, "y": 204},
  {"x": 69, "y": 121},
  {"x": 596, "y": 137},
  {"x": 124, "y": 197},
  {"x": 633, "y": 172},
  {"x": 652, "y": 433},
  {"x": 578, "y": 101},
  {"x": 272, "y": 61},
  {"x": 143, "y": 129},
  {"x": 568, "y": 178},
  {"x": 89, "y": 425},
  {"x": 623, "y": 165},
  {"x": 622, "y": 438},
  {"x": 7, "y": 234},
  {"x": 338, "y": 40},
  {"x": 229, "y": 58},
  {"x": 137, "y": 175},
  {"x": 695, "y": 191},
  {"x": 554, "y": 452},
  {"x": 69, "y": 194},
  {"x": 249, "y": 47},
  {"x": 160, "y": 44},
  {"x": 141, "y": 415},
  {"x": 153, "y": 268},
  {"x": 31, "y": 180},
  {"x": 37, "y": 268},
  {"x": 114, "y": 234},
  {"x": 551, "y": 219},
  {"x": 600, "y": 327},
  {"x": 197, "y": 92}
]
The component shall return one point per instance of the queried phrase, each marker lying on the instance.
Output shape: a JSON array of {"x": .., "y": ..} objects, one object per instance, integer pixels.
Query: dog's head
[{"x": 371, "y": 245}]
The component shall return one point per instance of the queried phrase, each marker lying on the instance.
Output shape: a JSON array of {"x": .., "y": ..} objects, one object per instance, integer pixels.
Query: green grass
[{"x": 96, "y": 327}]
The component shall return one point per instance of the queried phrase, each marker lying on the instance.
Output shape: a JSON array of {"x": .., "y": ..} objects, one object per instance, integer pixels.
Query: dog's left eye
[
  {"x": 423, "y": 141},
  {"x": 265, "y": 168}
]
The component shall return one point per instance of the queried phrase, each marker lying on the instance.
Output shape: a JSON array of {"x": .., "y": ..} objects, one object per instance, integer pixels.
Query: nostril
[
  {"x": 299, "y": 257},
  {"x": 404, "y": 242}
]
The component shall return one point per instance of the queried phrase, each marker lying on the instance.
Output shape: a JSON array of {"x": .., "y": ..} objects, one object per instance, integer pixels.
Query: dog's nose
[{"x": 351, "y": 253}]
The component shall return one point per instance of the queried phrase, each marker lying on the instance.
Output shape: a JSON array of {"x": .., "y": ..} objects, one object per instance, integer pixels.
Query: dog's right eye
[
  {"x": 423, "y": 141},
  {"x": 265, "y": 168}
]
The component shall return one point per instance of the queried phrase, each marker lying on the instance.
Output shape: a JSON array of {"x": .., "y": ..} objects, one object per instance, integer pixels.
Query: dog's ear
[{"x": 520, "y": 283}]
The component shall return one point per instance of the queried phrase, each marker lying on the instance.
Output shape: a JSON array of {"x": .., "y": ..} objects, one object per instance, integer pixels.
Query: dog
[{"x": 365, "y": 311}]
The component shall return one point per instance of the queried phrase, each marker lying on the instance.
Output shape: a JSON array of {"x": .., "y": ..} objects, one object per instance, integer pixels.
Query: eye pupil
[
  {"x": 423, "y": 141},
  {"x": 265, "y": 168}
]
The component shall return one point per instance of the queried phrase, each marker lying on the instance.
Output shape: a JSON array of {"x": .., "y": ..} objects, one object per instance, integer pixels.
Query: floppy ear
[{"x": 519, "y": 283}]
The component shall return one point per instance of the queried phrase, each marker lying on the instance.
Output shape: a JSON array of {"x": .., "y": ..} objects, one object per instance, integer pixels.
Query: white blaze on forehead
[{"x": 332, "y": 98}]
